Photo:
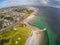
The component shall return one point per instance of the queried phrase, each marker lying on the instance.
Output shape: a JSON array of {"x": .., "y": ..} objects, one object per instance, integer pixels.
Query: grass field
[{"x": 17, "y": 35}]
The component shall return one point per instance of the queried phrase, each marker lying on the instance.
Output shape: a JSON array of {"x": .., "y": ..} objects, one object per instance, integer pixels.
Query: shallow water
[
  {"x": 39, "y": 23},
  {"x": 49, "y": 18}
]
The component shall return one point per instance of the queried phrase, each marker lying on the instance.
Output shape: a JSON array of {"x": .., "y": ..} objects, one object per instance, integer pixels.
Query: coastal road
[{"x": 36, "y": 33}]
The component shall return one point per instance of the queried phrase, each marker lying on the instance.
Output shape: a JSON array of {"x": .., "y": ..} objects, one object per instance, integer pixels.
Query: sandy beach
[
  {"x": 36, "y": 37},
  {"x": 30, "y": 17}
]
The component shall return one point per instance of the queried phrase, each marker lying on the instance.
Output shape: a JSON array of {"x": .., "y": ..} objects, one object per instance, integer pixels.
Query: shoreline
[
  {"x": 30, "y": 17},
  {"x": 37, "y": 34}
]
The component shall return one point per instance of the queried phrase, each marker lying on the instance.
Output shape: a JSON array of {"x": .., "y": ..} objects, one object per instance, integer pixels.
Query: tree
[
  {"x": 1, "y": 16},
  {"x": 8, "y": 18},
  {"x": 1, "y": 25}
]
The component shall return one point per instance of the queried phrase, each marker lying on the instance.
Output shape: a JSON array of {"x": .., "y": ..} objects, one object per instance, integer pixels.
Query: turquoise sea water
[{"x": 40, "y": 22}]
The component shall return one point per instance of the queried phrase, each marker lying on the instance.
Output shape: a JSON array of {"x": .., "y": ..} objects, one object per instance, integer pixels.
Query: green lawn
[
  {"x": 25, "y": 15},
  {"x": 12, "y": 34}
]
